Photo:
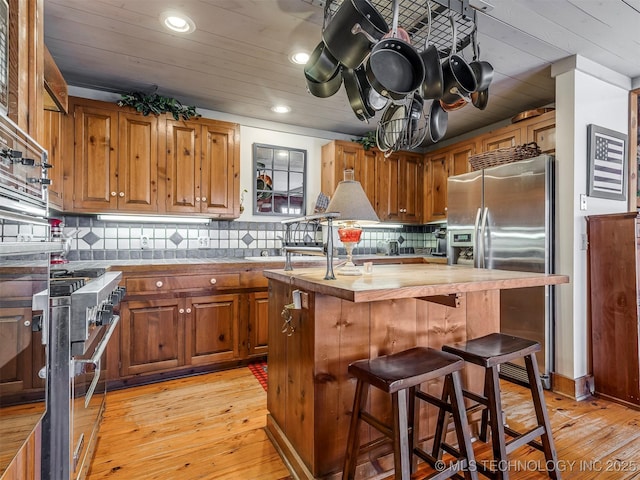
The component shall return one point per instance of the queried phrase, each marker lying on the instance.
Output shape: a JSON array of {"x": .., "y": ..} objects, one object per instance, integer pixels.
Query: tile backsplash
[{"x": 93, "y": 239}]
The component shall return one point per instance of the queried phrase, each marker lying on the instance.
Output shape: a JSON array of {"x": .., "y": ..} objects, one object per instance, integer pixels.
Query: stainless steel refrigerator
[{"x": 503, "y": 218}]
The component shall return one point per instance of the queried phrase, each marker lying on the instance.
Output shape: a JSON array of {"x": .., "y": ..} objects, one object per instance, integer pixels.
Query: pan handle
[{"x": 357, "y": 28}]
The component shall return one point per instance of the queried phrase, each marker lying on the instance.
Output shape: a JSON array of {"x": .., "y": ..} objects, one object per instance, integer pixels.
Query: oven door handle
[{"x": 80, "y": 366}]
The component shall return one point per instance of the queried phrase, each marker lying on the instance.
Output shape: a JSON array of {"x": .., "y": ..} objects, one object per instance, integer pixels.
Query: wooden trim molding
[
  {"x": 579, "y": 388},
  {"x": 634, "y": 138}
]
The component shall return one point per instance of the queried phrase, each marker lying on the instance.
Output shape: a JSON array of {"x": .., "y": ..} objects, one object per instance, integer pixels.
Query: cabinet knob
[
  {"x": 181, "y": 310},
  {"x": 121, "y": 194},
  {"x": 213, "y": 281},
  {"x": 27, "y": 323},
  {"x": 159, "y": 283},
  {"x": 188, "y": 310},
  {"x": 113, "y": 194},
  {"x": 197, "y": 199},
  {"x": 204, "y": 199}
]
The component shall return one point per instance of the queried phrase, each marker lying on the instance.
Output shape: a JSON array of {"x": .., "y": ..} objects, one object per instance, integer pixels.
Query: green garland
[
  {"x": 368, "y": 141},
  {"x": 157, "y": 104}
]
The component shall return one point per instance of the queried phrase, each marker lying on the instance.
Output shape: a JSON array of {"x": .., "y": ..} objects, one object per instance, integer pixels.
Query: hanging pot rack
[
  {"x": 414, "y": 18},
  {"x": 446, "y": 26}
]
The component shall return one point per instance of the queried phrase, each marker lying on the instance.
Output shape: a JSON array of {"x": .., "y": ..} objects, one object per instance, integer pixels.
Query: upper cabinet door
[
  {"x": 95, "y": 159},
  {"x": 138, "y": 163},
  {"x": 436, "y": 195},
  {"x": 388, "y": 202},
  {"x": 220, "y": 171},
  {"x": 505, "y": 138},
  {"x": 183, "y": 164},
  {"x": 411, "y": 178},
  {"x": 543, "y": 132}
]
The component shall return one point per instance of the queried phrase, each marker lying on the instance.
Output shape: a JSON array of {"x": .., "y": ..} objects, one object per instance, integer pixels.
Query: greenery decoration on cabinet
[
  {"x": 368, "y": 141},
  {"x": 157, "y": 104}
]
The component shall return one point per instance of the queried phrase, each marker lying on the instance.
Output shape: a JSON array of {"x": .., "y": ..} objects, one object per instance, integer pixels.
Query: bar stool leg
[
  {"x": 542, "y": 416},
  {"x": 353, "y": 440},
  {"x": 496, "y": 425},
  {"x": 461, "y": 424},
  {"x": 441, "y": 424},
  {"x": 485, "y": 412},
  {"x": 401, "y": 459}
]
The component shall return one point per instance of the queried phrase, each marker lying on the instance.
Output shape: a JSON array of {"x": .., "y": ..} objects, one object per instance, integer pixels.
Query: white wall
[
  {"x": 585, "y": 94},
  {"x": 251, "y": 135}
]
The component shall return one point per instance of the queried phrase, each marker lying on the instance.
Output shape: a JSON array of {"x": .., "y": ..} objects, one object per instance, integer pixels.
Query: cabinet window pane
[{"x": 280, "y": 178}]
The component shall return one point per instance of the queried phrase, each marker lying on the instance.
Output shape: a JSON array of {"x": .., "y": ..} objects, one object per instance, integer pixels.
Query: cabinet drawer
[{"x": 181, "y": 282}]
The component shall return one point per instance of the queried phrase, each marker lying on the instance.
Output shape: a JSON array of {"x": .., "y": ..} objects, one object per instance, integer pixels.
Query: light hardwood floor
[{"x": 211, "y": 427}]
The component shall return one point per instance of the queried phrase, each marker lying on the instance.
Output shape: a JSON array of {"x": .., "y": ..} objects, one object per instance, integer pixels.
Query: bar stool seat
[
  {"x": 400, "y": 375},
  {"x": 490, "y": 352}
]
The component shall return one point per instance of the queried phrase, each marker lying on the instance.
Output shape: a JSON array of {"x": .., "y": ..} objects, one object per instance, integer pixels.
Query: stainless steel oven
[
  {"x": 84, "y": 308},
  {"x": 24, "y": 299}
]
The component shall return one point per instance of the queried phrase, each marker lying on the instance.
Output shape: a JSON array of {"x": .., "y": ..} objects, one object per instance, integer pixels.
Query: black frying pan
[
  {"x": 438, "y": 120},
  {"x": 356, "y": 85}
]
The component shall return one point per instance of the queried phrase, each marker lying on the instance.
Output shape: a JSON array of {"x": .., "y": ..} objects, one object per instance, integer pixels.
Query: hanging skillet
[
  {"x": 357, "y": 86},
  {"x": 394, "y": 68}
]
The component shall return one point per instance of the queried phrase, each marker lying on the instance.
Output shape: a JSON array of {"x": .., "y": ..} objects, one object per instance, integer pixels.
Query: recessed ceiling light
[
  {"x": 281, "y": 109},
  {"x": 299, "y": 58},
  {"x": 177, "y": 22}
]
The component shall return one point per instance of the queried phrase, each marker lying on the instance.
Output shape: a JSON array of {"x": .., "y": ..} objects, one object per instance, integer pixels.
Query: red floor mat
[{"x": 259, "y": 370}]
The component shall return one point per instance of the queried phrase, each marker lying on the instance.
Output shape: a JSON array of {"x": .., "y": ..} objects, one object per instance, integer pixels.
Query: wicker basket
[{"x": 504, "y": 155}]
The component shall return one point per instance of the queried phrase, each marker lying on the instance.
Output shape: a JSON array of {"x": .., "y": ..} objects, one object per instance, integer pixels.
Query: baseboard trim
[{"x": 578, "y": 388}]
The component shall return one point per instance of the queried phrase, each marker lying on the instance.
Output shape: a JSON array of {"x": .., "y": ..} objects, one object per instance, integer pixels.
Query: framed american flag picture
[{"x": 607, "y": 169}]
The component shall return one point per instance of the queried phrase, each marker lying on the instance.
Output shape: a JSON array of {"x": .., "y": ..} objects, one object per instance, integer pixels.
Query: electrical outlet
[
  {"x": 144, "y": 241},
  {"x": 203, "y": 242},
  {"x": 583, "y": 201}
]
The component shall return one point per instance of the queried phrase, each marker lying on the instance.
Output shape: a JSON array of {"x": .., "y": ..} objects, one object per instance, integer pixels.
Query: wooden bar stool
[
  {"x": 400, "y": 374},
  {"x": 489, "y": 352}
]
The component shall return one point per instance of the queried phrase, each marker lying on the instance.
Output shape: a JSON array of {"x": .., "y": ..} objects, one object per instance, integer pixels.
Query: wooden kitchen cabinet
[
  {"x": 393, "y": 184},
  {"x": 212, "y": 329},
  {"x": 542, "y": 130},
  {"x": 440, "y": 165},
  {"x": 400, "y": 188},
  {"x": 115, "y": 167},
  {"x": 505, "y": 137},
  {"x": 258, "y": 323},
  {"x": 613, "y": 258},
  {"x": 152, "y": 335},
  {"x": 202, "y": 160},
  {"x": 338, "y": 156},
  {"x": 176, "y": 320}
]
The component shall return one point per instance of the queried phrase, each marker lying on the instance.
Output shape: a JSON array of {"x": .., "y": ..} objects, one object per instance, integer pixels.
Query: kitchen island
[{"x": 396, "y": 307}]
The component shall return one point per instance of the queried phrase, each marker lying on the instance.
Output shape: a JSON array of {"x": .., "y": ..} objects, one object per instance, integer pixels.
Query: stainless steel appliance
[
  {"x": 24, "y": 301},
  {"x": 84, "y": 306},
  {"x": 503, "y": 218}
]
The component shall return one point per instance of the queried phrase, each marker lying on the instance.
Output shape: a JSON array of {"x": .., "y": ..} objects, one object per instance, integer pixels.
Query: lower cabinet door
[
  {"x": 152, "y": 335},
  {"x": 258, "y": 323},
  {"x": 212, "y": 329}
]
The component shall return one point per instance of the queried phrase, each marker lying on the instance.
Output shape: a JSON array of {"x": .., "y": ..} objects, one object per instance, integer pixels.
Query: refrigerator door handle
[
  {"x": 483, "y": 229},
  {"x": 476, "y": 239}
]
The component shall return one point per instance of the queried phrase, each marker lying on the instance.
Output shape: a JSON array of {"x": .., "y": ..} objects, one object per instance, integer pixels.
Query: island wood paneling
[{"x": 311, "y": 393}]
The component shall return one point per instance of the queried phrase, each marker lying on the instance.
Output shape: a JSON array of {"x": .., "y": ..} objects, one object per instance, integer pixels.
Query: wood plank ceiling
[{"x": 237, "y": 60}]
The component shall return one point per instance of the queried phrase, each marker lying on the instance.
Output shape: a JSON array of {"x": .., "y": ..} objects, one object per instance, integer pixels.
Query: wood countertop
[{"x": 389, "y": 282}]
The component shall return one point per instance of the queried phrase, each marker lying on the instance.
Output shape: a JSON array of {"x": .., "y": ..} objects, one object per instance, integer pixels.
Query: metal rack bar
[{"x": 289, "y": 246}]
